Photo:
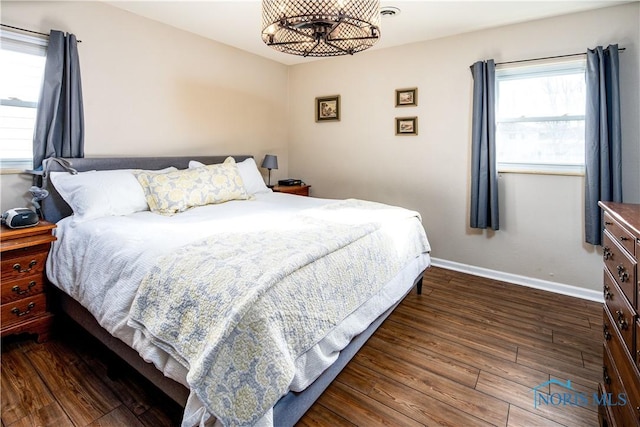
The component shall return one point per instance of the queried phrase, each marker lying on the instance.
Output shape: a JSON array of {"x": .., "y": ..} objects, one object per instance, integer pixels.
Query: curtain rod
[
  {"x": 29, "y": 31},
  {"x": 549, "y": 57}
]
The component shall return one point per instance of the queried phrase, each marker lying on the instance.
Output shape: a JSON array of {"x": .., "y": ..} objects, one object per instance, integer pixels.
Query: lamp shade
[{"x": 270, "y": 162}]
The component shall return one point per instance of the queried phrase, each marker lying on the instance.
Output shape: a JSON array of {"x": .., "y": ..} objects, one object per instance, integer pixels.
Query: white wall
[
  {"x": 541, "y": 232},
  {"x": 150, "y": 89}
]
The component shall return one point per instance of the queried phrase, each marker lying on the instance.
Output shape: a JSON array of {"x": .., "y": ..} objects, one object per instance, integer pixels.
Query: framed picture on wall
[
  {"x": 406, "y": 125},
  {"x": 328, "y": 108},
  {"x": 407, "y": 97}
]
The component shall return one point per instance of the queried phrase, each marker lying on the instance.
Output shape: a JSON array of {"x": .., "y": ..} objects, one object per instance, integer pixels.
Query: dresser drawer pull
[
  {"x": 622, "y": 274},
  {"x": 605, "y": 376},
  {"x": 19, "y": 291},
  {"x": 622, "y": 322},
  {"x": 19, "y": 268},
  {"x": 606, "y": 253},
  {"x": 607, "y": 294},
  {"x": 19, "y": 313},
  {"x": 608, "y": 223},
  {"x": 624, "y": 239},
  {"x": 607, "y": 334}
]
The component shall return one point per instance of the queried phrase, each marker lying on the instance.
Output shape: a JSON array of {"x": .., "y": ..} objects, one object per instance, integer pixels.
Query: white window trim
[{"x": 24, "y": 43}]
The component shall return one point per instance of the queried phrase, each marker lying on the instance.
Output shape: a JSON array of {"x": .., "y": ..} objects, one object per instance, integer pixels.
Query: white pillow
[
  {"x": 253, "y": 181},
  {"x": 94, "y": 194}
]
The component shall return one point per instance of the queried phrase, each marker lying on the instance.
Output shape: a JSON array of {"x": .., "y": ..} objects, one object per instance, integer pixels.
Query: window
[
  {"x": 23, "y": 58},
  {"x": 540, "y": 118}
]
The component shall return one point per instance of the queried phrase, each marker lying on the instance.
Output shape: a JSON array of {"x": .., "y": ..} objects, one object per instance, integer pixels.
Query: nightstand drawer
[
  {"x": 13, "y": 290},
  {"x": 620, "y": 234},
  {"x": 22, "y": 310},
  {"x": 24, "y": 262},
  {"x": 300, "y": 190}
]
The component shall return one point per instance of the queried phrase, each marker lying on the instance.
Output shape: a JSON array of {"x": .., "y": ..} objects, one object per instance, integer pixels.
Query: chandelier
[{"x": 320, "y": 27}]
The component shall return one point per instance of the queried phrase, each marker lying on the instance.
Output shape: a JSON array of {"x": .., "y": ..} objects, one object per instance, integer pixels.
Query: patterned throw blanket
[{"x": 238, "y": 309}]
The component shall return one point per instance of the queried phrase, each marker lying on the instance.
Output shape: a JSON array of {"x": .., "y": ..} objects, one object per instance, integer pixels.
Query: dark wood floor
[{"x": 467, "y": 352}]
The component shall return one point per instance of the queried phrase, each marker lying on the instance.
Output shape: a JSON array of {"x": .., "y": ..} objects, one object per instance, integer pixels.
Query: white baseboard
[{"x": 559, "y": 288}]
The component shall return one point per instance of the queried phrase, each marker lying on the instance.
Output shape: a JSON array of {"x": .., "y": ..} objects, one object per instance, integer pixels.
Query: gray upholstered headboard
[{"x": 54, "y": 208}]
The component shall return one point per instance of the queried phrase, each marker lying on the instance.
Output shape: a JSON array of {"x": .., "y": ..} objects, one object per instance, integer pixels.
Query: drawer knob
[
  {"x": 607, "y": 334},
  {"x": 19, "y": 268},
  {"x": 608, "y": 223},
  {"x": 607, "y": 294},
  {"x": 606, "y": 253},
  {"x": 623, "y": 238},
  {"x": 622, "y": 274},
  {"x": 622, "y": 322},
  {"x": 19, "y": 313},
  {"x": 19, "y": 291},
  {"x": 605, "y": 375}
]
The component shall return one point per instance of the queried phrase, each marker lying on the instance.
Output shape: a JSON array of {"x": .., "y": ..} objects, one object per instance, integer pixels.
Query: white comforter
[{"x": 106, "y": 284}]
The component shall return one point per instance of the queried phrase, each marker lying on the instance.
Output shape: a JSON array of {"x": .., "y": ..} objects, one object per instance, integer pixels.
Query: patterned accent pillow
[{"x": 174, "y": 192}]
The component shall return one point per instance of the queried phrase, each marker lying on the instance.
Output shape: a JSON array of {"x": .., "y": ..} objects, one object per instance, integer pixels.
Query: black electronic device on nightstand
[{"x": 289, "y": 182}]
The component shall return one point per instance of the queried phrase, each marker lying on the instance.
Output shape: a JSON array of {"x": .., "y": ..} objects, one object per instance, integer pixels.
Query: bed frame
[{"x": 291, "y": 407}]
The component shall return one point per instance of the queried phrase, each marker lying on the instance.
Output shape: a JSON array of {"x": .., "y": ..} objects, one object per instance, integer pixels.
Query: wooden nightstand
[
  {"x": 300, "y": 190},
  {"x": 23, "y": 289}
]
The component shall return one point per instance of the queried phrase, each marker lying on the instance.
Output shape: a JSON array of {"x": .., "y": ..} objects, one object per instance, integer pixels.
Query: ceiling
[{"x": 238, "y": 22}]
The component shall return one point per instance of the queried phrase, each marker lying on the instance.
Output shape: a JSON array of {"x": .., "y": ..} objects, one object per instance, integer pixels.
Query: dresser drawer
[
  {"x": 622, "y": 314},
  {"x": 12, "y": 290},
  {"x": 620, "y": 234},
  {"x": 613, "y": 388},
  {"x": 607, "y": 326},
  {"x": 606, "y": 417},
  {"x": 621, "y": 266},
  {"x": 618, "y": 376},
  {"x": 22, "y": 310},
  {"x": 636, "y": 356},
  {"x": 24, "y": 262}
]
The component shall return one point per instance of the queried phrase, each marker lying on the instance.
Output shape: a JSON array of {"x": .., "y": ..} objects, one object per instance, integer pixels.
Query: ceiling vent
[{"x": 389, "y": 11}]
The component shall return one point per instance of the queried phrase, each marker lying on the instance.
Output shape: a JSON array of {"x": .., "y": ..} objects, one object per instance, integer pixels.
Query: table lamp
[{"x": 270, "y": 162}]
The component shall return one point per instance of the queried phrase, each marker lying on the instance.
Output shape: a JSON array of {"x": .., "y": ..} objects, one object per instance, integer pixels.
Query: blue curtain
[
  {"x": 59, "y": 128},
  {"x": 484, "y": 174},
  {"x": 603, "y": 137}
]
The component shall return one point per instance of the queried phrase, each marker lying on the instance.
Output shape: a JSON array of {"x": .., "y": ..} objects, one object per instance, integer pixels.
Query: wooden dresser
[
  {"x": 24, "y": 306},
  {"x": 621, "y": 328}
]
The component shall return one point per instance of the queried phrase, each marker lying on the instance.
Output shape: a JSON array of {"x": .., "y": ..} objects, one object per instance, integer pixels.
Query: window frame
[
  {"x": 25, "y": 44},
  {"x": 520, "y": 71}
]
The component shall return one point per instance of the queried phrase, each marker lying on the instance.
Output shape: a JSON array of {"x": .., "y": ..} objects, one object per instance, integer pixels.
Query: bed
[{"x": 307, "y": 293}]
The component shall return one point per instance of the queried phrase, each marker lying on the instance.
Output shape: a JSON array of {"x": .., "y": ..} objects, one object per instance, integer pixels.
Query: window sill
[
  {"x": 541, "y": 169},
  {"x": 541, "y": 172},
  {"x": 14, "y": 171}
]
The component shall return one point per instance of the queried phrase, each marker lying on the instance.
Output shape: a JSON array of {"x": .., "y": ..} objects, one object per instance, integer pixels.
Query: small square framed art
[
  {"x": 407, "y": 97},
  {"x": 406, "y": 125},
  {"x": 328, "y": 108}
]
